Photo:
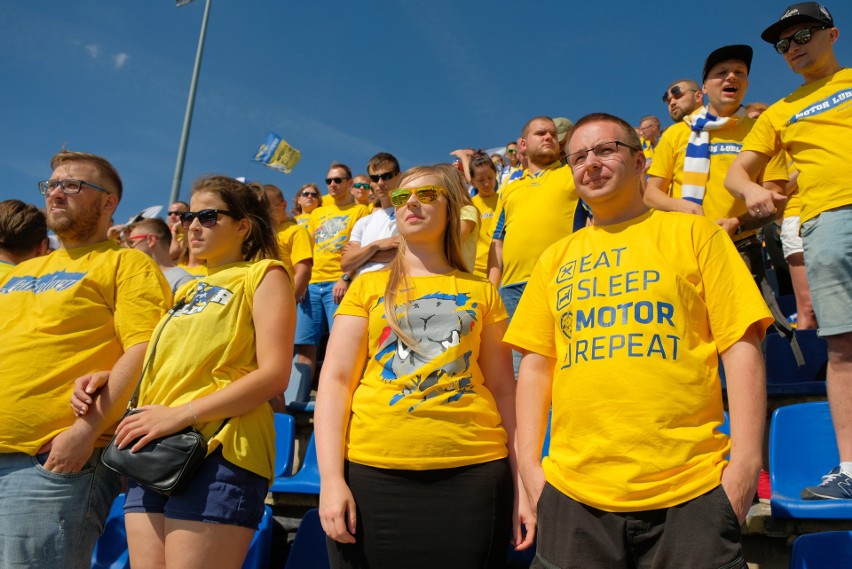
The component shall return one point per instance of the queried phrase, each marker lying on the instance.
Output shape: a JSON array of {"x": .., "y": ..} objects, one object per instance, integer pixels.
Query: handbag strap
[{"x": 134, "y": 399}]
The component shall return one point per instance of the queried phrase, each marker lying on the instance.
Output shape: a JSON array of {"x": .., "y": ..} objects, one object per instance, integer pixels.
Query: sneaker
[{"x": 835, "y": 485}]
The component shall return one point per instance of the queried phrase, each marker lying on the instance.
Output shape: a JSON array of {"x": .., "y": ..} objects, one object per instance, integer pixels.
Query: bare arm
[
  {"x": 464, "y": 156},
  {"x": 495, "y": 262},
  {"x": 274, "y": 317},
  {"x": 301, "y": 277},
  {"x": 746, "y": 381},
  {"x": 532, "y": 403},
  {"x": 338, "y": 381},
  {"x": 656, "y": 196}
]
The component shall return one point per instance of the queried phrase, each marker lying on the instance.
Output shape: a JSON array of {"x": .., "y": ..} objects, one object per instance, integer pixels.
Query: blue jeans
[
  {"x": 315, "y": 313},
  {"x": 49, "y": 519},
  {"x": 511, "y": 295}
]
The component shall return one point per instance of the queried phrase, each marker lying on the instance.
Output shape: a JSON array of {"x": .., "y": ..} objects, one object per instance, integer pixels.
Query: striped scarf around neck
[{"x": 696, "y": 164}]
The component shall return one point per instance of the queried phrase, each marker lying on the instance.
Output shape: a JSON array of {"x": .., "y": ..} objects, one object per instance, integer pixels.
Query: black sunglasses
[
  {"x": 206, "y": 217},
  {"x": 310, "y": 195},
  {"x": 328, "y": 181},
  {"x": 386, "y": 176},
  {"x": 676, "y": 93},
  {"x": 801, "y": 37}
]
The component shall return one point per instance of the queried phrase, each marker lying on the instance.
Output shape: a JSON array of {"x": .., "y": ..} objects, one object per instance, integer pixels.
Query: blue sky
[{"x": 341, "y": 80}]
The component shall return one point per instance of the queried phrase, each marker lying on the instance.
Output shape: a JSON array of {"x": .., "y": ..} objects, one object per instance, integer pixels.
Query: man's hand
[
  {"x": 70, "y": 449},
  {"x": 687, "y": 206},
  {"x": 729, "y": 224},
  {"x": 340, "y": 288},
  {"x": 740, "y": 485},
  {"x": 762, "y": 202}
]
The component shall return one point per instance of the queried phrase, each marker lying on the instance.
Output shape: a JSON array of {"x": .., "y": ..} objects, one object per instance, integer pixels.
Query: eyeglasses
[
  {"x": 328, "y": 181},
  {"x": 361, "y": 186},
  {"x": 386, "y": 176},
  {"x": 206, "y": 217},
  {"x": 132, "y": 240},
  {"x": 511, "y": 150},
  {"x": 604, "y": 151},
  {"x": 68, "y": 187},
  {"x": 801, "y": 37},
  {"x": 310, "y": 195},
  {"x": 174, "y": 213},
  {"x": 425, "y": 194},
  {"x": 676, "y": 93}
]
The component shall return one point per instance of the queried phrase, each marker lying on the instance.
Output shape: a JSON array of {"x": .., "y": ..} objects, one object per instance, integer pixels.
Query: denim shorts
[
  {"x": 220, "y": 493},
  {"x": 827, "y": 239},
  {"x": 511, "y": 296},
  {"x": 315, "y": 314}
]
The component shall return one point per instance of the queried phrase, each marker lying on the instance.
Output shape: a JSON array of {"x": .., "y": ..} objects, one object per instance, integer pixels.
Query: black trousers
[{"x": 444, "y": 519}]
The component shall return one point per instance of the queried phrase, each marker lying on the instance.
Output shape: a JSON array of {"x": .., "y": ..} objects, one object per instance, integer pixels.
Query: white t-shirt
[{"x": 378, "y": 225}]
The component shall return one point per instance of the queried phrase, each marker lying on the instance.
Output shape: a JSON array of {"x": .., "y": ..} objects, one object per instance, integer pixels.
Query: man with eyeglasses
[
  {"x": 682, "y": 97},
  {"x": 330, "y": 227},
  {"x": 694, "y": 155},
  {"x": 621, "y": 326},
  {"x": 814, "y": 126},
  {"x": 373, "y": 242},
  {"x": 153, "y": 237},
  {"x": 534, "y": 212},
  {"x": 77, "y": 316}
]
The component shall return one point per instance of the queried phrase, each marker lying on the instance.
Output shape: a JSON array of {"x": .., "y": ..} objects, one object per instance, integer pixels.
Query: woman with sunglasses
[
  {"x": 307, "y": 200},
  {"x": 213, "y": 364},
  {"x": 415, "y": 413}
]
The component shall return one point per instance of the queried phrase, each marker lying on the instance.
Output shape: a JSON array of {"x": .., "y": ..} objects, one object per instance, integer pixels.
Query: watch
[{"x": 346, "y": 278}]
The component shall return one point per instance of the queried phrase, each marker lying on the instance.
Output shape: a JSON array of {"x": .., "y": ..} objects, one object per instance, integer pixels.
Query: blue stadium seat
[
  {"x": 285, "y": 433},
  {"x": 802, "y": 449},
  {"x": 261, "y": 544},
  {"x": 824, "y": 550},
  {"x": 111, "y": 548},
  {"x": 307, "y": 480},
  {"x": 308, "y": 551},
  {"x": 784, "y": 377}
]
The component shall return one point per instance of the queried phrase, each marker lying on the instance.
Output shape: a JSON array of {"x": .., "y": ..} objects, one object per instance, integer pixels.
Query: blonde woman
[{"x": 414, "y": 422}]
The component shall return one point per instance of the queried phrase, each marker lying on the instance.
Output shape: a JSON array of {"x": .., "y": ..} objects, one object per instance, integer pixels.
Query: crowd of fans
[{"x": 590, "y": 267}]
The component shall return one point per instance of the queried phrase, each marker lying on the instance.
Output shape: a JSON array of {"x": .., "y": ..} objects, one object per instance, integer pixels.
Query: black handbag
[{"x": 164, "y": 465}]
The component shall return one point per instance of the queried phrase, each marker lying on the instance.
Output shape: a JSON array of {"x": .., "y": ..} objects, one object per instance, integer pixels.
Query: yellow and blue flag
[{"x": 277, "y": 154}]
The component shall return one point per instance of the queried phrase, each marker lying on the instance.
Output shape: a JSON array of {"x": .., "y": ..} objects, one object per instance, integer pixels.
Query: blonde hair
[{"x": 454, "y": 184}]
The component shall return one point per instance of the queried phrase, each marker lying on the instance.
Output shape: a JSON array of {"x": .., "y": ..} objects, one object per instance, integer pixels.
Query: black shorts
[{"x": 703, "y": 533}]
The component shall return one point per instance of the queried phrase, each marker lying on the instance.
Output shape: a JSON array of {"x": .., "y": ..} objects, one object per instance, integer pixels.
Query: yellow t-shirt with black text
[{"x": 635, "y": 316}]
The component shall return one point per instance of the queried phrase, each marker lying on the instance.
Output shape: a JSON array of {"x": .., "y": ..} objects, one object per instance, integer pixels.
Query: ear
[
  {"x": 110, "y": 203},
  {"x": 640, "y": 163},
  {"x": 243, "y": 227}
]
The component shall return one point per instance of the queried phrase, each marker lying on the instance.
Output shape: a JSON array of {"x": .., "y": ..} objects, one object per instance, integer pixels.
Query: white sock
[{"x": 846, "y": 468}]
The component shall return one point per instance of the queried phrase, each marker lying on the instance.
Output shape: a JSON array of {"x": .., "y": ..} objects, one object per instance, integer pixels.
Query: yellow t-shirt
[
  {"x": 533, "y": 213},
  {"x": 330, "y": 227},
  {"x": 432, "y": 410},
  {"x": 635, "y": 316},
  {"x": 794, "y": 204},
  {"x": 468, "y": 245},
  {"x": 486, "y": 207},
  {"x": 725, "y": 145},
  {"x": 303, "y": 219},
  {"x": 814, "y": 126},
  {"x": 294, "y": 244},
  {"x": 68, "y": 314},
  {"x": 206, "y": 345}
]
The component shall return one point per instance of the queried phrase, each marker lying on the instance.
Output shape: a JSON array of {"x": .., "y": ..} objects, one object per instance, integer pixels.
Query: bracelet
[{"x": 194, "y": 416}]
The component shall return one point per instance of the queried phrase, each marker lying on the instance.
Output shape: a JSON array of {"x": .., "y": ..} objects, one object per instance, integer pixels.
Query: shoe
[
  {"x": 835, "y": 485},
  {"x": 764, "y": 490}
]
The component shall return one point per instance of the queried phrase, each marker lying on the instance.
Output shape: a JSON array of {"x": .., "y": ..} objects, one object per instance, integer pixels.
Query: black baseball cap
[
  {"x": 740, "y": 52},
  {"x": 802, "y": 13}
]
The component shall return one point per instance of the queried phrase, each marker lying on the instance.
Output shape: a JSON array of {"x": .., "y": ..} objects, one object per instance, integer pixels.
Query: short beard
[
  {"x": 543, "y": 157},
  {"x": 75, "y": 230}
]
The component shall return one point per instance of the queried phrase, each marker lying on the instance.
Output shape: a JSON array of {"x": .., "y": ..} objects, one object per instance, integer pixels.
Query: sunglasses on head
[
  {"x": 360, "y": 186},
  {"x": 206, "y": 217},
  {"x": 310, "y": 195},
  {"x": 424, "y": 194},
  {"x": 386, "y": 176},
  {"x": 801, "y": 37},
  {"x": 675, "y": 93},
  {"x": 328, "y": 181}
]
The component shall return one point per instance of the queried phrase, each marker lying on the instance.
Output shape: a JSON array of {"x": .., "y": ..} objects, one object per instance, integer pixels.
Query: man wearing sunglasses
[
  {"x": 814, "y": 126},
  {"x": 682, "y": 97},
  {"x": 373, "y": 242},
  {"x": 153, "y": 237},
  {"x": 73, "y": 318},
  {"x": 694, "y": 155},
  {"x": 330, "y": 227},
  {"x": 515, "y": 168}
]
